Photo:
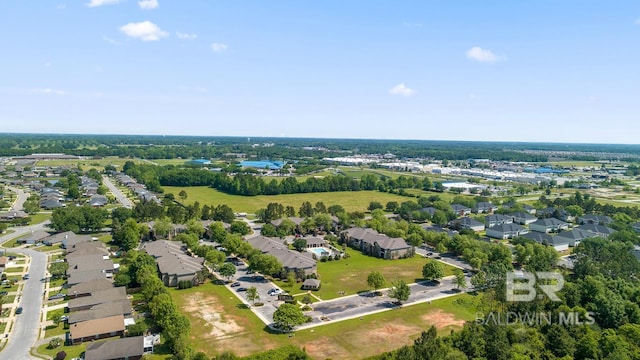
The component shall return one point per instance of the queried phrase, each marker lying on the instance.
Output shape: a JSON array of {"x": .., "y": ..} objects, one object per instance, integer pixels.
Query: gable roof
[
  {"x": 597, "y": 229},
  {"x": 103, "y": 310},
  {"x": 539, "y": 237},
  {"x": 549, "y": 222},
  {"x": 288, "y": 258},
  {"x": 458, "y": 207},
  {"x": 595, "y": 218},
  {"x": 576, "y": 234},
  {"x": 97, "y": 326},
  {"x": 34, "y": 235},
  {"x": 91, "y": 286},
  {"x": 497, "y": 217},
  {"x": 507, "y": 228},
  {"x": 469, "y": 222},
  {"x": 99, "y": 297},
  {"x": 171, "y": 258},
  {"x": 523, "y": 215},
  {"x": 122, "y": 348}
]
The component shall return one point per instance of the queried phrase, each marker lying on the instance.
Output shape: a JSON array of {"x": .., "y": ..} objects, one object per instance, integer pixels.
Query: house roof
[
  {"x": 80, "y": 277},
  {"x": 469, "y": 222},
  {"x": 87, "y": 248},
  {"x": 485, "y": 205},
  {"x": 497, "y": 217},
  {"x": 311, "y": 283},
  {"x": 89, "y": 263},
  {"x": 314, "y": 240},
  {"x": 97, "y": 326},
  {"x": 458, "y": 207},
  {"x": 296, "y": 220},
  {"x": 370, "y": 236},
  {"x": 549, "y": 222},
  {"x": 172, "y": 259},
  {"x": 507, "y": 228},
  {"x": 523, "y": 215},
  {"x": 431, "y": 210},
  {"x": 595, "y": 218},
  {"x": 99, "y": 297},
  {"x": 115, "y": 349},
  {"x": 99, "y": 311},
  {"x": 539, "y": 237},
  {"x": 576, "y": 234},
  {"x": 597, "y": 229},
  {"x": 91, "y": 286},
  {"x": 289, "y": 258}
]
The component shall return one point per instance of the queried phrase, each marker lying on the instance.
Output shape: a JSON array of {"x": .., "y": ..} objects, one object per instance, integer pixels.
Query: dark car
[
  {"x": 3, "y": 293},
  {"x": 19, "y": 310},
  {"x": 429, "y": 253},
  {"x": 235, "y": 284},
  {"x": 57, "y": 296},
  {"x": 241, "y": 289}
]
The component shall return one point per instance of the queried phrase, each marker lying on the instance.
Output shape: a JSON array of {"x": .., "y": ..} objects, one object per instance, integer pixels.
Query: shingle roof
[
  {"x": 597, "y": 229},
  {"x": 103, "y": 310},
  {"x": 97, "y": 326},
  {"x": 549, "y": 222},
  {"x": 115, "y": 349},
  {"x": 99, "y": 297},
  {"x": 507, "y": 228},
  {"x": 91, "y": 286},
  {"x": 172, "y": 259},
  {"x": 539, "y": 237},
  {"x": 290, "y": 259}
]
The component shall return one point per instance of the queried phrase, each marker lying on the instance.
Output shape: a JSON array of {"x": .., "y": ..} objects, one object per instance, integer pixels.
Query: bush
[
  {"x": 184, "y": 284},
  {"x": 54, "y": 343},
  {"x": 258, "y": 304},
  {"x": 61, "y": 355}
]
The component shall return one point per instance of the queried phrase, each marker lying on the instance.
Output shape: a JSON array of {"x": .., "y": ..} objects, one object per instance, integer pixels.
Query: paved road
[
  {"x": 122, "y": 198},
  {"x": 25, "y": 331},
  {"x": 20, "y": 200},
  {"x": 448, "y": 259}
]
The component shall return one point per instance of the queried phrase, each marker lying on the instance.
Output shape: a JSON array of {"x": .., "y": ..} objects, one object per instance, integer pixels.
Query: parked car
[
  {"x": 274, "y": 292},
  {"x": 429, "y": 253},
  {"x": 19, "y": 310},
  {"x": 25, "y": 276},
  {"x": 57, "y": 296},
  {"x": 235, "y": 284},
  {"x": 3, "y": 293},
  {"x": 241, "y": 289}
]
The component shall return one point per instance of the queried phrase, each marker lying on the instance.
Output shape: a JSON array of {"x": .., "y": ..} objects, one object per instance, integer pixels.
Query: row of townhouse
[
  {"x": 139, "y": 189},
  {"x": 372, "y": 243},
  {"x": 291, "y": 260},
  {"x": 97, "y": 309}
]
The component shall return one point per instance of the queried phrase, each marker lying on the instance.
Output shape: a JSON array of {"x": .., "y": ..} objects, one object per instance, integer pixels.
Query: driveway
[{"x": 121, "y": 197}]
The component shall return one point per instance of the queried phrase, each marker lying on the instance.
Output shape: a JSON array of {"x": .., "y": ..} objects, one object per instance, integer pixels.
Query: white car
[{"x": 274, "y": 292}]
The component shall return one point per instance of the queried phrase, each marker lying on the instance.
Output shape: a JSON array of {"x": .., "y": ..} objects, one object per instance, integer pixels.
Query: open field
[
  {"x": 38, "y": 218},
  {"x": 350, "y": 275},
  {"x": 219, "y": 322},
  {"x": 87, "y": 164},
  {"x": 350, "y": 200}
]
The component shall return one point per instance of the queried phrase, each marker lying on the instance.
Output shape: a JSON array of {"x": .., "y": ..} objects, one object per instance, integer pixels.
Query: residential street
[
  {"x": 22, "y": 197},
  {"x": 121, "y": 197},
  {"x": 25, "y": 331}
]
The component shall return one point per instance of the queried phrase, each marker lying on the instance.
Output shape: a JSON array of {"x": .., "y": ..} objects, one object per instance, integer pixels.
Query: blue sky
[{"x": 562, "y": 71}]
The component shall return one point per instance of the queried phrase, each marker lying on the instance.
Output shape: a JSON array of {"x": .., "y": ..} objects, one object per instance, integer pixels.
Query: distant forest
[{"x": 186, "y": 147}]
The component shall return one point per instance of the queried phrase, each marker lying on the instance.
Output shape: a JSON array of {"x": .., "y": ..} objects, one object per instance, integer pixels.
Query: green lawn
[
  {"x": 38, "y": 218},
  {"x": 12, "y": 243},
  {"x": 45, "y": 248},
  {"x": 220, "y": 323},
  {"x": 14, "y": 269},
  {"x": 350, "y": 275},
  {"x": 72, "y": 351},
  {"x": 350, "y": 200},
  {"x": 55, "y": 330}
]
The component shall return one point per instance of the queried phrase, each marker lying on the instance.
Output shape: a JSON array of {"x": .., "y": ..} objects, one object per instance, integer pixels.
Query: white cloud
[
  {"x": 186, "y": 36},
  {"x": 96, "y": 3},
  {"x": 145, "y": 31},
  {"x": 47, "y": 91},
  {"x": 401, "y": 89},
  {"x": 148, "y": 4},
  {"x": 219, "y": 47},
  {"x": 483, "y": 55}
]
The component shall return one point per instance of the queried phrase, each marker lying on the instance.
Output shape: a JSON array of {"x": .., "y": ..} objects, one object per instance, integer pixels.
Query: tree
[
  {"x": 252, "y": 294},
  {"x": 460, "y": 281},
  {"x": 239, "y": 227},
  {"x": 374, "y": 205},
  {"x": 162, "y": 227},
  {"x": 183, "y": 195},
  {"x": 376, "y": 280},
  {"x": 433, "y": 271},
  {"x": 288, "y": 316},
  {"x": 300, "y": 244},
  {"x": 58, "y": 269},
  {"x": 400, "y": 291},
  {"x": 392, "y": 206},
  {"x": 217, "y": 232},
  {"x": 306, "y": 210},
  {"x": 227, "y": 270},
  {"x": 128, "y": 235}
]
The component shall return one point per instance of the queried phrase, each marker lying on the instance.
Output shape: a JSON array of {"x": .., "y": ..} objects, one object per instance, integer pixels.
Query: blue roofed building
[{"x": 263, "y": 164}]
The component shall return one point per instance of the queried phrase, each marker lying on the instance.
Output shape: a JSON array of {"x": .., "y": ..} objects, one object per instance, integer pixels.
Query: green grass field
[
  {"x": 220, "y": 322},
  {"x": 72, "y": 351},
  {"x": 350, "y": 275},
  {"x": 38, "y": 218},
  {"x": 350, "y": 200}
]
